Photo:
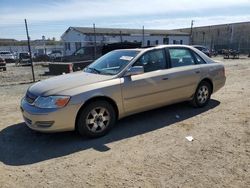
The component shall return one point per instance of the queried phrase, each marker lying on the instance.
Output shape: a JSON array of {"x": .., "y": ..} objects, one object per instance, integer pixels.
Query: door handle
[
  {"x": 165, "y": 78},
  {"x": 197, "y": 72}
]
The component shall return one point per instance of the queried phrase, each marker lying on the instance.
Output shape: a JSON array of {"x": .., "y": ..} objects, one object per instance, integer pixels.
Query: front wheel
[
  {"x": 202, "y": 94},
  {"x": 96, "y": 119}
]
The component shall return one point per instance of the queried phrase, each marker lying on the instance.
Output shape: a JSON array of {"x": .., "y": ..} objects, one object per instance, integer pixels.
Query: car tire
[
  {"x": 202, "y": 95},
  {"x": 96, "y": 119}
]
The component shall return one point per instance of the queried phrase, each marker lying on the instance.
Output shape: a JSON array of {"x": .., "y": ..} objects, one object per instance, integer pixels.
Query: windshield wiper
[{"x": 94, "y": 69}]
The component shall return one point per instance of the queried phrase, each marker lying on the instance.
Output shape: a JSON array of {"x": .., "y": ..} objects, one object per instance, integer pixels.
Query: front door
[{"x": 143, "y": 91}]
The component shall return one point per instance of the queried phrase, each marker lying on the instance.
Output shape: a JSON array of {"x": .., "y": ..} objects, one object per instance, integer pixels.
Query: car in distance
[
  {"x": 121, "y": 83},
  {"x": 23, "y": 58},
  {"x": 7, "y": 56},
  {"x": 203, "y": 49},
  {"x": 2, "y": 64},
  {"x": 55, "y": 55}
]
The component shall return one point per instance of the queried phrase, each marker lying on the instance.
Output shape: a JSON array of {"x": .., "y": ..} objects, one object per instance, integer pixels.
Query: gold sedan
[{"x": 121, "y": 83}]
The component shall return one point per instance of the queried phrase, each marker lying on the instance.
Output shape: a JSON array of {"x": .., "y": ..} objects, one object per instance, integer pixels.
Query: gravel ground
[
  {"x": 22, "y": 74},
  {"x": 144, "y": 150}
]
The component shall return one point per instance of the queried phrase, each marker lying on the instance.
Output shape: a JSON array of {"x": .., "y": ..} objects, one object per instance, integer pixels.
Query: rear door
[{"x": 183, "y": 75}]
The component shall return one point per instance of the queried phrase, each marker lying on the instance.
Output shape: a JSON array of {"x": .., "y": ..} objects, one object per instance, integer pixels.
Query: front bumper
[{"x": 49, "y": 120}]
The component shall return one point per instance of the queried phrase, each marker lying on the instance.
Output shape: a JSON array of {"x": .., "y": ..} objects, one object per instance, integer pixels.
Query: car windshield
[{"x": 112, "y": 63}]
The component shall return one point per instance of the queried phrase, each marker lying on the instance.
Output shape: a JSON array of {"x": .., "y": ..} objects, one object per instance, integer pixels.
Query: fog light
[{"x": 44, "y": 124}]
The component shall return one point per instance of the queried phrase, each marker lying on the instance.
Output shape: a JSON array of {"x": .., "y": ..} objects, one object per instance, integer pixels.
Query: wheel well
[
  {"x": 210, "y": 82},
  {"x": 99, "y": 98}
]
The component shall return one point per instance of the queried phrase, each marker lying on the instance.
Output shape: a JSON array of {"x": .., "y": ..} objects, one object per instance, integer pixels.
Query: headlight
[{"x": 51, "y": 101}]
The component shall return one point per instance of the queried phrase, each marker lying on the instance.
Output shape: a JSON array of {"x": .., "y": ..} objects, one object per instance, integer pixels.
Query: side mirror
[{"x": 135, "y": 70}]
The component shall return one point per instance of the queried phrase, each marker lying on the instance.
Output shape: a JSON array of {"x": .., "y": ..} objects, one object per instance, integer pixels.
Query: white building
[{"x": 76, "y": 37}]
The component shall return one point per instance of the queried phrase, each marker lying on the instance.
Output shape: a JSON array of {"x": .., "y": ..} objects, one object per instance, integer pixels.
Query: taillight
[{"x": 70, "y": 68}]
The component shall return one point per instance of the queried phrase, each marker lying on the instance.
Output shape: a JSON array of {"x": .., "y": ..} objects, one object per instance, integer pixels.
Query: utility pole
[
  {"x": 121, "y": 36},
  {"x": 191, "y": 32},
  {"x": 142, "y": 36},
  {"x": 94, "y": 42},
  {"x": 30, "y": 56}
]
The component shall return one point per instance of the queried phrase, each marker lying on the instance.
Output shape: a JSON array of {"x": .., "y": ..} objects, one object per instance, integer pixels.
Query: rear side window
[
  {"x": 199, "y": 59},
  {"x": 152, "y": 61},
  {"x": 181, "y": 57}
]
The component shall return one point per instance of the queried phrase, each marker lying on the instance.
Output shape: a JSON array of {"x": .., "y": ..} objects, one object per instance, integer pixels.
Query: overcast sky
[{"x": 52, "y": 17}]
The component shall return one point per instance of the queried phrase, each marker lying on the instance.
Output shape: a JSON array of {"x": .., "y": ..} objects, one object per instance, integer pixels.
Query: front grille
[{"x": 30, "y": 98}]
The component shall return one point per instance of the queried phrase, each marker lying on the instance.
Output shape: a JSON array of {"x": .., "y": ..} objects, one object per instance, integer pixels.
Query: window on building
[
  {"x": 181, "y": 41},
  {"x": 148, "y": 43},
  {"x": 67, "y": 45},
  {"x": 78, "y": 45},
  {"x": 174, "y": 42},
  {"x": 156, "y": 42},
  {"x": 181, "y": 57},
  {"x": 165, "y": 40}
]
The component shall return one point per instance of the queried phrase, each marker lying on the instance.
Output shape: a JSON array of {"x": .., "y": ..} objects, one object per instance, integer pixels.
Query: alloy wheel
[
  {"x": 98, "y": 119},
  {"x": 203, "y": 94}
]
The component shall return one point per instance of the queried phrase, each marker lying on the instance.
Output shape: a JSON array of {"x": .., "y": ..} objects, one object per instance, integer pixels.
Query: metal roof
[{"x": 124, "y": 31}]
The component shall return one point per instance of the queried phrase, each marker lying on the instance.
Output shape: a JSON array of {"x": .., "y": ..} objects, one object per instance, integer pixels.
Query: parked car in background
[
  {"x": 2, "y": 64},
  {"x": 41, "y": 57},
  {"x": 55, "y": 55},
  {"x": 120, "y": 45},
  {"x": 23, "y": 58},
  {"x": 83, "y": 54},
  {"x": 121, "y": 83},
  {"x": 203, "y": 49},
  {"x": 7, "y": 56}
]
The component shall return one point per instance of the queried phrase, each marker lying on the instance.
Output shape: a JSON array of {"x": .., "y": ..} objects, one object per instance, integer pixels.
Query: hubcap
[
  {"x": 203, "y": 94},
  {"x": 98, "y": 119}
]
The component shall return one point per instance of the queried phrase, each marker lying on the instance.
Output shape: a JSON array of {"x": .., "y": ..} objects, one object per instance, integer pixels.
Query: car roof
[
  {"x": 167, "y": 46},
  {"x": 158, "y": 47}
]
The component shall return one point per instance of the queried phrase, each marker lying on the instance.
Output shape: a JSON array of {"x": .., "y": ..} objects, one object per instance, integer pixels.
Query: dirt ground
[
  {"x": 145, "y": 150},
  {"x": 22, "y": 74}
]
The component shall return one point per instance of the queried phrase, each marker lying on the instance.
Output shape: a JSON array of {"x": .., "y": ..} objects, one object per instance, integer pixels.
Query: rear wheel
[
  {"x": 96, "y": 119},
  {"x": 202, "y": 94}
]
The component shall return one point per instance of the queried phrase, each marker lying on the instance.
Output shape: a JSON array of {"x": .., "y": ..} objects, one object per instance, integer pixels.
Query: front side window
[
  {"x": 112, "y": 63},
  {"x": 152, "y": 61},
  {"x": 181, "y": 57}
]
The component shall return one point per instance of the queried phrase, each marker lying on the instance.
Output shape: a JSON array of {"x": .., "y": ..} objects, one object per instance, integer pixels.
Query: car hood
[{"x": 55, "y": 85}]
